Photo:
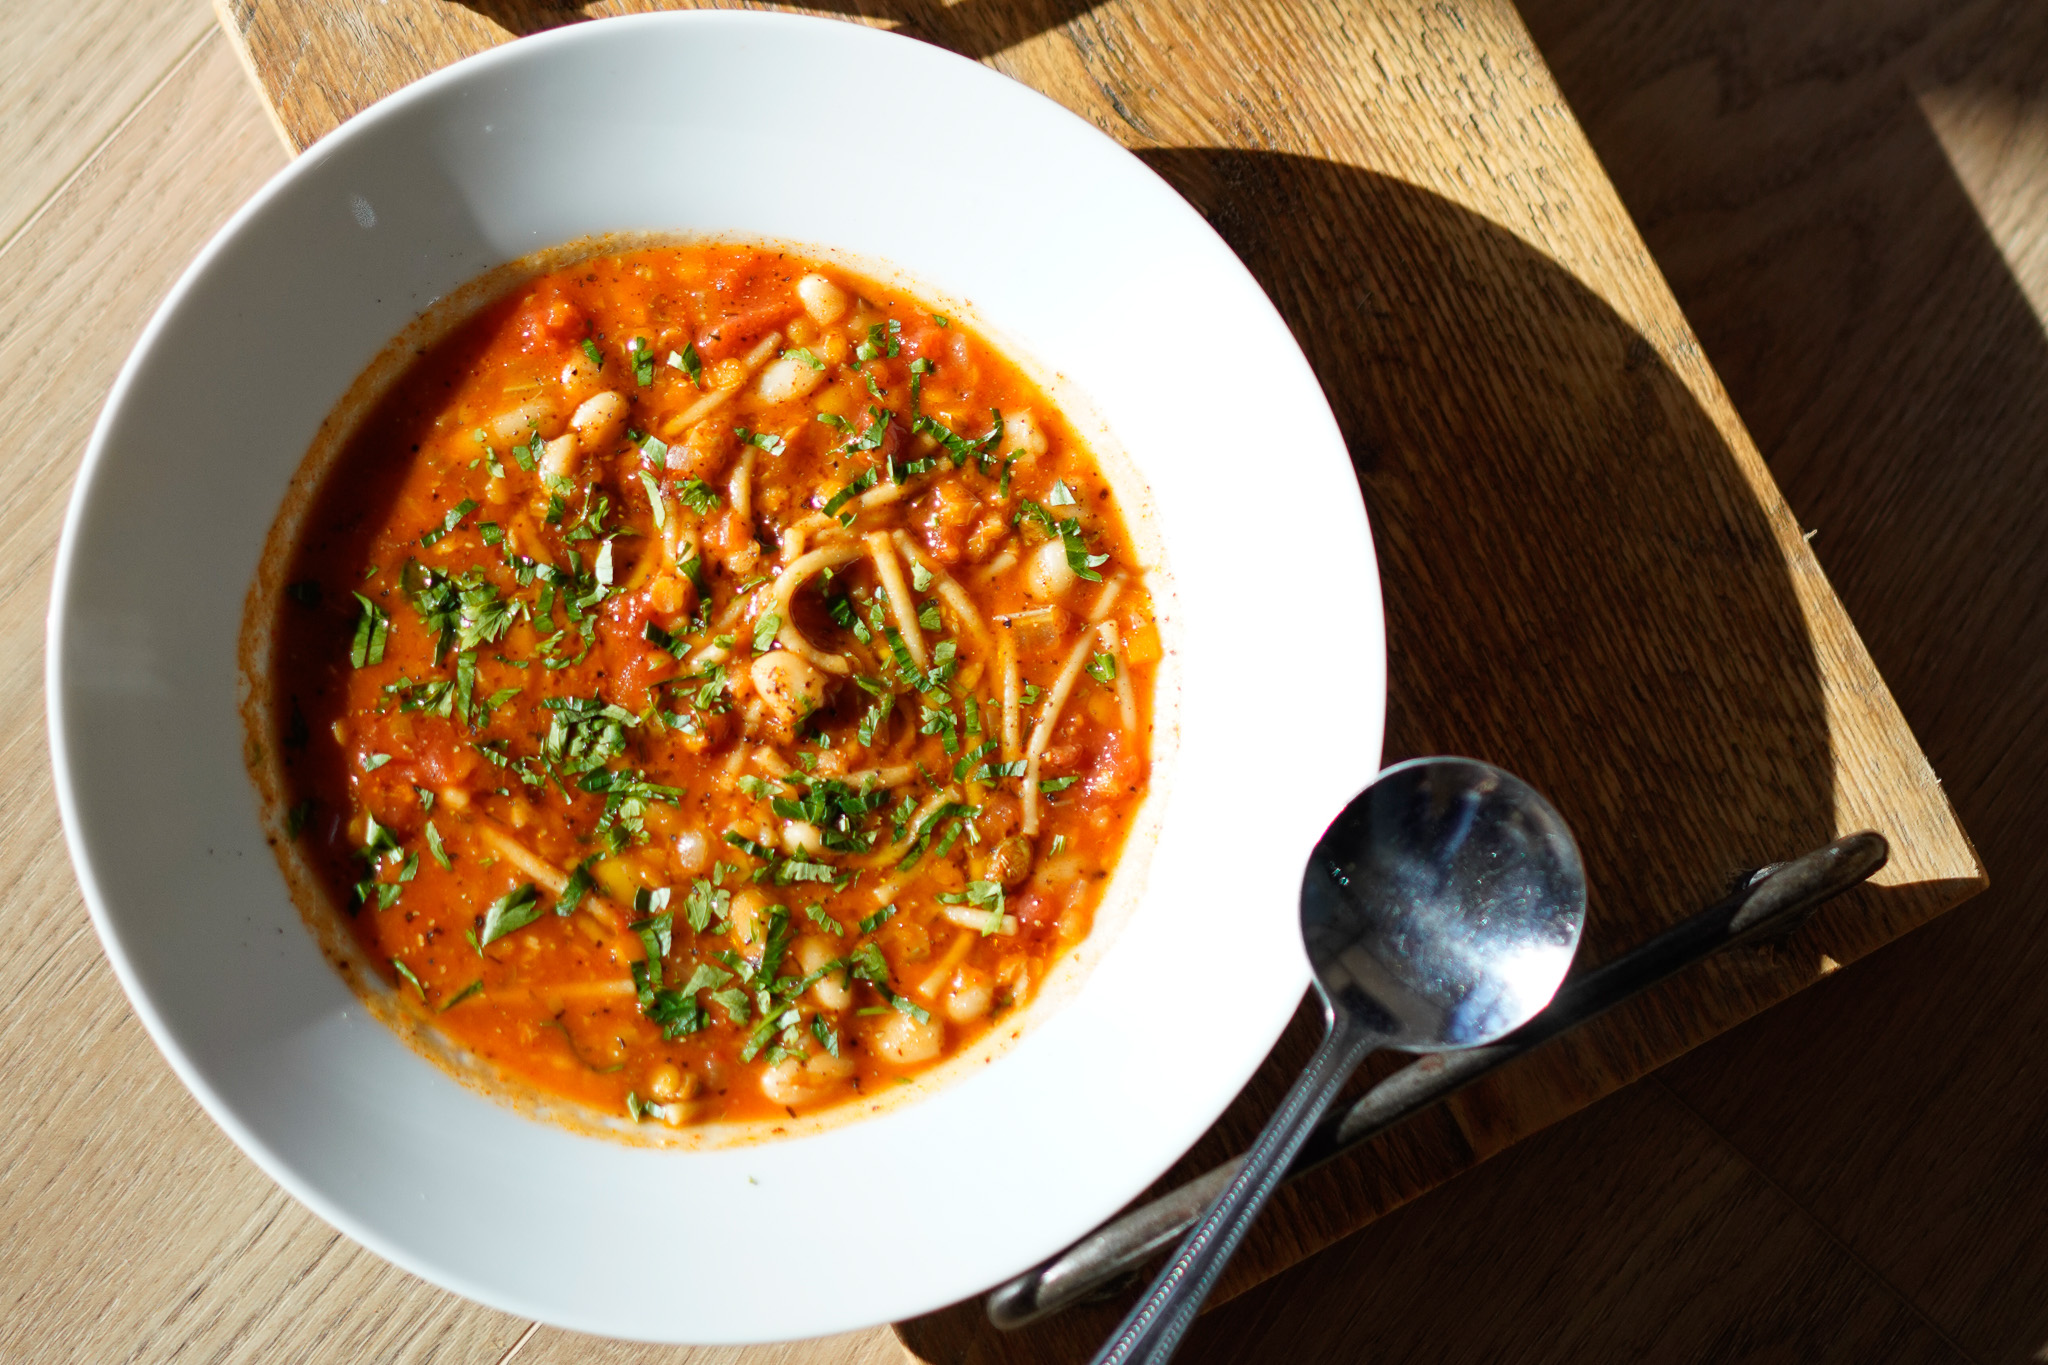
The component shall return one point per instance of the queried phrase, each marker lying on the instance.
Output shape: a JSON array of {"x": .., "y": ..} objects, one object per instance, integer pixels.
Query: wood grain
[
  {"x": 69, "y": 73},
  {"x": 1638, "y": 626}
]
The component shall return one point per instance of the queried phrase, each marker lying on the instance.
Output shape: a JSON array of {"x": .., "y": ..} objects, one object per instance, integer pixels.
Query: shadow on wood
[{"x": 1847, "y": 203}]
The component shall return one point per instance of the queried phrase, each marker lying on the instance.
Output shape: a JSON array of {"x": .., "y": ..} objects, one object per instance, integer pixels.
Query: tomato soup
[{"x": 710, "y": 685}]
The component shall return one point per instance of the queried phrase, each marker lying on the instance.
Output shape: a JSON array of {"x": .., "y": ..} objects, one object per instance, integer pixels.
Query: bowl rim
[{"x": 1367, "y": 718}]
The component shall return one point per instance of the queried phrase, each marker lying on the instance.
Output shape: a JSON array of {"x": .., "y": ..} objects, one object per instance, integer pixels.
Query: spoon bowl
[
  {"x": 1443, "y": 905},
  {"x": 1440, "y": 910}
]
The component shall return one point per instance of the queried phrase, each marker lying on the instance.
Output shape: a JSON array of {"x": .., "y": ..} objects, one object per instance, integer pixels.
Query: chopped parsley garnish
[
  {"x": 449, "y": 522},
  {"x": 861, "y": 483},
  {"x": 465, "y": 610},
  {"x": 410, "y": 979},
  {"x": 437, "y": 848},
  {"x": 1069, "y": 531},
  {"x": 871, "y": 719},
  {"x": 373, "y": 628},
  {"x": 870, "y": 966},
  {"x": 699, "y": 496},
  {"x": 656, "y": 504},
  {"x": 296, "y": 819},
  {"x": 1061, "y": 495},
  {"x": 804, "y": 357},
  {"x": 982, "y": 895},
  {"x": 1102, "y": 668},
  {"x": 577, "y": 889},
  {"x": 782, "y": 869},
  {"x": 836, "y": 422},
  {"x": 475, "y": 987},
  {"x": 584, "y": 733},
  {"x": 771, "y": 444},
  {"x": 705, "y": 903},
  {"x": 686, "y": 361},
  {"x": 827, "y": 1036},
  {"x": 872, "y": 434},
  {"x": 920, "y": 579},
  {"x": 765, "y": 631},
  {"x": 529, "y": 454},
  {"x": 884, "y": 339},
  {"x": 515, "y": 909},
  {"x": 372, "y": 762},
  {"x": 816, "y": 915},
  {"x": 959, "y": 448},
  {"x": 878, "y": 919},
  {"x": 596, "y": 356},
  {"x": 929, "y": 618},
  {"x": 642, "y": 355}
]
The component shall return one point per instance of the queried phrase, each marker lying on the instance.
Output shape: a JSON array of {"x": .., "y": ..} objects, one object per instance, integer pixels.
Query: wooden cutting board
[{"x": 1590, "y": 576}]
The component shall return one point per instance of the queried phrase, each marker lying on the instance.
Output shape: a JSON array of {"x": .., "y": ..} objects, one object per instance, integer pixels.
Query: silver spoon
[{"x": 1440, "y": 911}]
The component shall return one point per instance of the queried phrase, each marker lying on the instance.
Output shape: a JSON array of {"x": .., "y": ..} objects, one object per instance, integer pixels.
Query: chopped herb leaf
[
  {"x": 656, "y": 504},
  {"x": 579, "y": 886},
  {"x": 515, "y": 909},
  {"x": 642, "y": 355},
  {"x": 475, "y": 987},
  {"x": 699, "y": 496},
  {"x": 449, "y": 522},
  {"x": 410, "y": 979},
  {"x": 686, "y": 361},
  {"x": 373, "y": 627}
]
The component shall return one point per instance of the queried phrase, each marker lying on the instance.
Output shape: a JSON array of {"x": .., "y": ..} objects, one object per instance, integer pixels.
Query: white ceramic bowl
[{"x": 1084, "y": 262}]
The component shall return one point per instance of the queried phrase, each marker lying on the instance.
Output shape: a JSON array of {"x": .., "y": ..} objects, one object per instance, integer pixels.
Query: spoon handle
[{"x": 1152, "y": 1332}]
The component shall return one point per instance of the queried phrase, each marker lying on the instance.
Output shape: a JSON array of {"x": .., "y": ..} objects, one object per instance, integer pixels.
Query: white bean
[
  {"x": 786, "y": 379},
  {"x": 971, "y": 996},
  {"x": 514, "y": 426},
  {"x": 600, "y": 421},
  {"x": 1023, "y": 436},
  {"x": 1047, "y": 575},
  {"x": 745, "y": 912},
  {"x": 822, "y": 299},
  {"x": 793, "y": 1082},
  {"x": 901, "y": 1039},
  {"x": 802, "y": 837},
  {"x": 558, "y": 457},
  {"x": 791, "y": 686},
  {"x": 832, "y": 993},
  {"x": 693, "y": 851}
]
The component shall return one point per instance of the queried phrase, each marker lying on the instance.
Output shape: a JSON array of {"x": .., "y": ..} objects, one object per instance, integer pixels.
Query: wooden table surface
[{"x": 1844, "y": 203}]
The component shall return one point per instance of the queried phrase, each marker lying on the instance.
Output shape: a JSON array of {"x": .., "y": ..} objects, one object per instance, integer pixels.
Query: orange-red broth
[{"x": 619, "y": 906}]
